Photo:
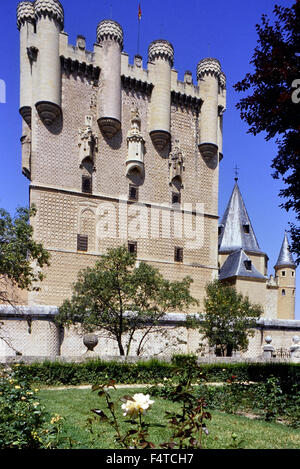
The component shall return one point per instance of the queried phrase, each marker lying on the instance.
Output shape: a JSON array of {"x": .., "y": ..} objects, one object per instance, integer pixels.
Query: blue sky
[{"x": 197, "y": 29}]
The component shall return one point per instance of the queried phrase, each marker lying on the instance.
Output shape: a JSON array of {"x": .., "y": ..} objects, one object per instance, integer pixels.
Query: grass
[{"x": 75, "y": 406}]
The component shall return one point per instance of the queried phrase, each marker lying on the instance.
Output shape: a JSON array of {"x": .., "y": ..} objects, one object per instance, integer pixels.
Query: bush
[
  {"x": 154, "y": 371},
  {"x": 24, "y": 422}
]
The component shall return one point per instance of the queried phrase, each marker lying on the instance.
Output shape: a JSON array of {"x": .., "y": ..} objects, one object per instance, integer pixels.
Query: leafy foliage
[
  {"x": 228, "y": 319},
  {"x": 120, "y": 297},
  {"x": 18, "y": 253},
  {"x": 270, "y": 108},
  {"x": 24, "y": 422}
]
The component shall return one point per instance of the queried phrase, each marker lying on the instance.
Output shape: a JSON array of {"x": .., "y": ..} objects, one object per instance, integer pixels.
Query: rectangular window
[
  {"x": 82, "y": 243},
  {"x": 283, "y": 273},
  {"x": 87, "y": 184},
  {"x": 132, "y": 247},
  {"x": 178, "y": 254},
  {"x": 133, "y": 192},
  {"x": 248, "y": 265},
  {"x": 246, "y": 229},
  {"x": 176, "y": 198}
]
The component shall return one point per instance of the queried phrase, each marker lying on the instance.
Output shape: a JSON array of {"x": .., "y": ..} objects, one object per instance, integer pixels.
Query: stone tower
[
  {"x": 243, "y": 264},
  {"x": 117, "y": 153},
  {"x": 285, "y": 273}
]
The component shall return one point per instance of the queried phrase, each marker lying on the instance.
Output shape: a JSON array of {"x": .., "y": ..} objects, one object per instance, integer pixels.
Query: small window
[
  {"x": 293, "y": 273},
  {"x": 133, "y": 192},
  {"x": 283, "y": 273},
  {"x": 176, "y": 198},
  {"x": 293, "y": 292},
  {"x": 178, "y": 254},
  {"x": 82, "y": 243},
  {"x": 87, "y": 184},
  {"x": 132, "y": 247},
  {"x": 283, "y": 292},
  {"x": 246, "y": 229},
  {"x": 248, "y": 265},
  {"x": 219, "y": 230}
]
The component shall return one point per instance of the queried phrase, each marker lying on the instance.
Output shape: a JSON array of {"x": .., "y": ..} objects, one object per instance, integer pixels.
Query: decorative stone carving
[
  {"x": 268, "y": 349},
  {"x": 176, "y": 163},
  {"x": 135, "y": 143},
  {"x": 81, "y": 42},
  {"x": 87, "y": 142},
  {"x": 188, "y": 77},
  {"x": 109, "y": 29},
  {"x": 90, "y": 341},
  {"x": 208, "y": 66},
  {"x": 295, "y": 349},
  {"x": 161, "y": 49},
  {"x": 52, "y": 8},
  {"x": 25, "y": 13},
  {"x": 48, "y": 111}
]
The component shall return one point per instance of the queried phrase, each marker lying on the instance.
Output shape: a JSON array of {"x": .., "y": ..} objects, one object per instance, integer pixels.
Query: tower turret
[
  {"x": 110, "y": 37},
  {"x": 285, "y": 271},
  {"x": 25, "y": 23},
  {"x": 161, "y": 53},
  {"x": 208, "y": 73},
  {"x": 49, "y": 17}
]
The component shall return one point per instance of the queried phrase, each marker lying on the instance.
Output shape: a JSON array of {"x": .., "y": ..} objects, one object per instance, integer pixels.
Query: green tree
[
  {"x": 228, "y": 318},
  {"x": 21, "y": 257},
  {"x": 121, "y": 297},
  {"x": 273, "y": 103}
]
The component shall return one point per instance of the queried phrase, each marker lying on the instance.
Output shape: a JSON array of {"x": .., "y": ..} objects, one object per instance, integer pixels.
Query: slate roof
[
  {"x": 236, "y": 266},
  {"x": 236, "y": 228},
  {"x": 285, "y": 258}
]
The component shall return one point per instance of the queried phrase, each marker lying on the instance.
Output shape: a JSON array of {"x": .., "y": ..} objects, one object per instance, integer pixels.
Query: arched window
[{"x": 283, "y": 292}]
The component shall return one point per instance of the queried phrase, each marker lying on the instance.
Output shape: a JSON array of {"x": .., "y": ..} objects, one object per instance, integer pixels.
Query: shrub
[{"x": 24, "y": 422}]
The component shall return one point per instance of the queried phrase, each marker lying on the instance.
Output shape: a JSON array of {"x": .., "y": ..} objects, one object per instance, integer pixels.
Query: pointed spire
[
  {"x": 285, "y": 258},
  {"x": 236, "y": 230}
]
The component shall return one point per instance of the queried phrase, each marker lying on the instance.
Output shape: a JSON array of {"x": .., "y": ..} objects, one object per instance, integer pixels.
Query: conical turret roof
[
  {"x": 285, "y": 258},
  {"x": 236, "y": 231}
]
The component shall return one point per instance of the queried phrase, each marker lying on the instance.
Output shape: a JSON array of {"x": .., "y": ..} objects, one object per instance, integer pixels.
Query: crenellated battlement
[
  {"x": 109, "y": 29},
  {"x": 25, "y": 13},
  {"x": 51, "y": 9}
]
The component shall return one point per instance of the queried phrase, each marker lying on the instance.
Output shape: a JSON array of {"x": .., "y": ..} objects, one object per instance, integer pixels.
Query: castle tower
[
  {"x": 161, "y": 53},
  {"x": 107, "y": 173},
  {"x": 49, "y": 16},
  {"x": 236, "y": 232},
  {"x": 110, "y": 37},
  {"x": 211, "y": 82},
  {"x": 25, "y": 23},
  {"x": 285, "y": 272}
]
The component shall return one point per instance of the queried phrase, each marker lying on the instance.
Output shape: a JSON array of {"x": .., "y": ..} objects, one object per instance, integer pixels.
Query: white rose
[{"x": 139, "y": 405}]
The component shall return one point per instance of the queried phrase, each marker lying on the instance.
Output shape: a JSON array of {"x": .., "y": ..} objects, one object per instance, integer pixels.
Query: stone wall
[{"x": 30, "y": 331}]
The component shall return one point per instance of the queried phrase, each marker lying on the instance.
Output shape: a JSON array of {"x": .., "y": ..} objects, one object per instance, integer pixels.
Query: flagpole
[
  {"x": 139, "y": 29},
  {"x": 138, "y": 41}
]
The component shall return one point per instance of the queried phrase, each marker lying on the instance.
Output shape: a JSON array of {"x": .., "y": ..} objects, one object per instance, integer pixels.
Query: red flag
[{"x": 140, "y": 12}]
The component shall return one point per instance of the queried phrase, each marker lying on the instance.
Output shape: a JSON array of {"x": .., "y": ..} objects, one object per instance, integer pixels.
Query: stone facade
[{"x": 86, "y": 142}]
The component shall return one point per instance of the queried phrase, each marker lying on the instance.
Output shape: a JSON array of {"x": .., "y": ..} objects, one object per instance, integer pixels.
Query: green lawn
[{"x": 75, "y": 406}]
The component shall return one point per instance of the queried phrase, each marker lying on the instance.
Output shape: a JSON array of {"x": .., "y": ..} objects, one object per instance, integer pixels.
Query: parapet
[
  {"x": 51, "y": 8},
  {"x": 109, "y": 29},
  {"x": 161, "y": 49},
  {"x": 25, "y": 13}
]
